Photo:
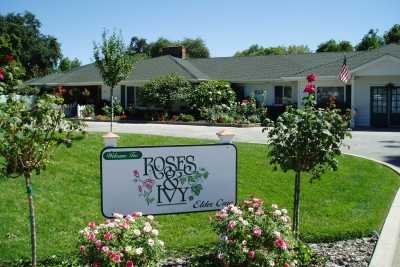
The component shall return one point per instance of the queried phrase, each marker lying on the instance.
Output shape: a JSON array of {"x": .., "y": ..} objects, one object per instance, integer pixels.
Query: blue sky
[{"x": 225, "y": 26}]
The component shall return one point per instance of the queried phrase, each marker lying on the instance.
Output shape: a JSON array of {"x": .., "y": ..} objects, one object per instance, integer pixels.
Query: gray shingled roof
[{"x": 234, "y": 69}]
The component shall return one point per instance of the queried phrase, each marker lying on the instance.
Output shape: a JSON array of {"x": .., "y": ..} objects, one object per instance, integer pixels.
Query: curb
[{"x": 387, "y": 250}]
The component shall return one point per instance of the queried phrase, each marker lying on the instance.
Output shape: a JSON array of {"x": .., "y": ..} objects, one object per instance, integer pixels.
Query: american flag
[{"x": 344, "y": 74}]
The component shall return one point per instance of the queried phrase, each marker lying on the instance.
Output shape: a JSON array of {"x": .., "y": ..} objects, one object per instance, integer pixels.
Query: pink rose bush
[
  {"x": 130, "y": 240},
  {"x": 253, "y": 234}
]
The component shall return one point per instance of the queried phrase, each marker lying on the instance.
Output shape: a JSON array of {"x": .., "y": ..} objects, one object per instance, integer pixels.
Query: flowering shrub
[
  {"x": 127, "y": 241},
  {"x": 255, "y": 235}
]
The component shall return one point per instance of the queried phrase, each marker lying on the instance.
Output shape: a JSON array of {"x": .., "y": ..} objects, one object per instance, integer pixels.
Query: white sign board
[{"x": 168, "y": 179}]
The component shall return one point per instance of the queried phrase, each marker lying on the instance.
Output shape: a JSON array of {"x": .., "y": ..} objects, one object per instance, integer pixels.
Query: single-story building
[{"x": 373, "y": 91}]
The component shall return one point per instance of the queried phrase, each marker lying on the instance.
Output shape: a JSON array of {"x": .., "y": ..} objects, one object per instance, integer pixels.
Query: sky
[{"x": 225, "y": 26}]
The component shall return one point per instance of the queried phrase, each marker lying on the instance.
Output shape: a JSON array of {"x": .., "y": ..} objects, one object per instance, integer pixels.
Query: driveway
[{"x": 380, "y": 145}]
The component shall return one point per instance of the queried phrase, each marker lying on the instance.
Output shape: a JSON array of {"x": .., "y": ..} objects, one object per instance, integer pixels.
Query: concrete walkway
[{"x": 379, "y": 145}]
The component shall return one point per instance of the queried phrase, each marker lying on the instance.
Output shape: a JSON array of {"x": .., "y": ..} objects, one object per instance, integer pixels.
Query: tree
[
  {"x": 306, "y": 140},
  {"x": 114, "y": 62},
  {"x": 393, "y": 35},
  {"x": 370, "y": 41},
  {"x": 28, "y": 132},
  {"x": 157, "y": 46},
  {"x": 67, "y": 64},
  {"x": 164, "y": 92},
  {"x": 139, "y": 46},
  {"x": 196, "y": 48},
  {"x": 333, "y": 46},
  {"x": 256, "y": 50},
  {"x": 37, "y": 53}
]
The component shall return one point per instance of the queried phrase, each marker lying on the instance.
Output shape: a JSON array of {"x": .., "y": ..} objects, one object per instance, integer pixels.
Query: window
[
  {"x": 323, "y": 94},
  {"x": 283, "y": 95}
]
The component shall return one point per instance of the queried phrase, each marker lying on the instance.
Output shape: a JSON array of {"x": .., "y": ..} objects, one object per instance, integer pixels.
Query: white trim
[{"x": 366, "y": 65}]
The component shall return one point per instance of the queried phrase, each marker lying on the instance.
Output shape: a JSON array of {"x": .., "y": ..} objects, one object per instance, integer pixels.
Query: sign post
[{"x": 168, "y": 179}]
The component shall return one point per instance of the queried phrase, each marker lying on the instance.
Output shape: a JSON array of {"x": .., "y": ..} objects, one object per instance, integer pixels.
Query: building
[{"x": 373, "y": 92}]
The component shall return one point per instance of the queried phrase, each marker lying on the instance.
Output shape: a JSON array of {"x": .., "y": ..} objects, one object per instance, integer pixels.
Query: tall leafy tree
[
  {"x": 256, "y": 50},
  {"x": 139, "y": 46},
  {"x": 370, "y": 41},
  {"x": 38, "y": 53},
  {"x": 196, "y": 48},
  {"x": 114, "y": 62},
  {"x": 393, "y": 35},
  {"x": 333, "y": 46},
  {"x": 67, "y": 64}
]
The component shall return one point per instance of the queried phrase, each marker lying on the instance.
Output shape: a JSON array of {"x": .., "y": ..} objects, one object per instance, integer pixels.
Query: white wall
[
  {"x": 362, "y": 98},
  {"x": 269, "y": 96}
]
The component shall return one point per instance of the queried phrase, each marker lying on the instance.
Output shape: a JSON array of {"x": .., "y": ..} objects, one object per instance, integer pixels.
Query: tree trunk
[
  {"x": 296, "y": 208},
  {"x": 28, "y": 184},
  {"x": 112, "y": 109}
]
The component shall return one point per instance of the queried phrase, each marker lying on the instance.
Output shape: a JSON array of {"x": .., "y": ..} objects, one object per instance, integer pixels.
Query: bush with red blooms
[
  {"x": 252, "y": 234},
  {"x": 129, "y": 241}
]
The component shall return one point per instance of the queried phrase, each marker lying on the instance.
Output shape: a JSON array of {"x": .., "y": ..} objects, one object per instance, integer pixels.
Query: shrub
[
  {"x": 164, "y": 92},
  {"x": 255, "y": 235},
  {"x": 185, "y": 117},
  {"x": 210, "y": 93},
  {"x": 118, "y": 109},
  {"x": 131, "y": 240},
  {"x": 88, "y": 111}
]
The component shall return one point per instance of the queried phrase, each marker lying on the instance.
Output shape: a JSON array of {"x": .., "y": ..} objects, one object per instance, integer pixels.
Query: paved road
[{"x": 380, "y": 145}]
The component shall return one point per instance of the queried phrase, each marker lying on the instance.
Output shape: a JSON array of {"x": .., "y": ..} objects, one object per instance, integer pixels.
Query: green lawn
[{"x": 350, "y": 202}]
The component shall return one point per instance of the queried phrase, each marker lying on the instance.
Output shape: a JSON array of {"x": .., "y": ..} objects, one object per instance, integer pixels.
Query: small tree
[
  {"x": 114, "y": 62},
  {"x": 28, "y": 132},
  {"x": 166, "y": 91},
  {"x": 307, "y": 140}
]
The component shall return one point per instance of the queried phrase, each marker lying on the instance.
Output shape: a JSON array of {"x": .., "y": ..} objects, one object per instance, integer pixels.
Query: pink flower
[
  {"x": 149, "y": 183},
  {"x": 280, "y": 243},
  {"x": 124, "y": 225},
  {"x": 98, "y": 244},
  {"x": 286, "y": 265},
  {"x": 108, "y": 236},
  {"x": 92, "y": 225},
  {"x": 136, "y": 173},
  {"x": 82, "y": 249},
  {"x": 91, "y": 237},
  {"x": 105, "y": 249},
  {"x": 251, "y": 254},
  {"x": 257, "y": 202},
  {"x": 115, "y": 257},
  {"x": 1, "y": 74},
  {"x": 96, "y": 264},
  {"x": 257, "y": 231},
  {"x": 311, "y": 77},
  {"x": 232, "y": 225},
  {"x": 310, "y": 88},
  {"x": 130, "y": 264}
]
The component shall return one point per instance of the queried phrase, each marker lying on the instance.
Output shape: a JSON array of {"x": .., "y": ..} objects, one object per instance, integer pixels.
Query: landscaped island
[{"x": 351, "y": 202}]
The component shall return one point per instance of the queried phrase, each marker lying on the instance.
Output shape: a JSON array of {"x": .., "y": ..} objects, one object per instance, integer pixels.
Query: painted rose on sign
[{"x": 170, "y": 180}]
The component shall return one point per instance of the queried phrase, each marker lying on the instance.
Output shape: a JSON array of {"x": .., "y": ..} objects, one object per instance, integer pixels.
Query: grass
[{"x": 351, "y": 202}]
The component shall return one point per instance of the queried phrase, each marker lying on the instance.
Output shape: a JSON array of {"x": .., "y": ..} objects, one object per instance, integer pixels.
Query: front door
[{"x": 385, "y": 106}]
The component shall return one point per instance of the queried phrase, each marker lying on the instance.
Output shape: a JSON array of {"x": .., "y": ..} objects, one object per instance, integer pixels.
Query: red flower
[
  {"x": 310, "y": 88},
  {"x": 312, "y": 77},
  {"x": 9, "y": 57},
  {"x": 108, "y": 236},
  {"x": 92, "y": 225},
  {"x": 82, "y": 249},
  {"x": 286, "y": 265},
  {"x": 1, "y": 74},
  {"x": 251, "y": 254},
  {"x": 130, "y": 264},
  {"x": 280, "y": 243},
  {"x": 257, "y": 232},
  {"x": 96, "y": 264}
]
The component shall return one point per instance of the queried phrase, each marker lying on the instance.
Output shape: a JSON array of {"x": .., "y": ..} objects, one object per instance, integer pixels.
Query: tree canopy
[
  {"x": 67, "y": 64},
  {"x": 370, "y": 41},
  {"x": 333, "y": 46},
  {"x": 38, "y": 53},
  {"x": 393, "y": 35},
  {"x": 256, "y": 50},
  {"x": 195, "y": 48}
]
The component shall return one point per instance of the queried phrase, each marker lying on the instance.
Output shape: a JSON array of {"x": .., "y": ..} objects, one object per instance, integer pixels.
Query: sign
[{"x": 168, "y": 179}]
